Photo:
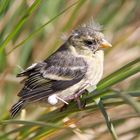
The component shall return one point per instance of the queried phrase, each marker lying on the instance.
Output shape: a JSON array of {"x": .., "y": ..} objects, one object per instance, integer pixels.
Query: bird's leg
[
  {"x": 77, "y": 98},
  {"x": 84, "y": 103},
  {"x": 81, "y": 91},
  {"x": 64, "y": 107},
  {"x": 80, "y": 104}
]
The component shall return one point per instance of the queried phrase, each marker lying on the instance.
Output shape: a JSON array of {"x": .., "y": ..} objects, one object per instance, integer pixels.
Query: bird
[{"x": 66, "y": 73}]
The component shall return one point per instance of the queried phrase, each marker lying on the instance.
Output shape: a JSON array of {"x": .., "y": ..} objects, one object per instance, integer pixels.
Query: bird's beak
[{"x": 105, "y": 44}]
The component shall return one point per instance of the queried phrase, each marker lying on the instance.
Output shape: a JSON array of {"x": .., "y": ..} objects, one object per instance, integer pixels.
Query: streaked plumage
[{"x": 77, "y": 64}]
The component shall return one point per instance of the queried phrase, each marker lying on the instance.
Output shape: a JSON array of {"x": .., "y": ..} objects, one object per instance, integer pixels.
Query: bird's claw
[{"x": 64, "y": 107}]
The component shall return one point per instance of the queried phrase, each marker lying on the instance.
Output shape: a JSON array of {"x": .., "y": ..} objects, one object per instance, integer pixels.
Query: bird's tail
[{"x": 16, "y": 108}]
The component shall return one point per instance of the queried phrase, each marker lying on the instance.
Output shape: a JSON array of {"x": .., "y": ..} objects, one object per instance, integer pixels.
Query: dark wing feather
[
  {"x": 33, "y": 79},
  {"x": 57, "y": 73}
]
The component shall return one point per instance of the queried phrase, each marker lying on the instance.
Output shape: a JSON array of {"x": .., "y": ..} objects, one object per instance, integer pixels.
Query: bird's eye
[{"x": 89, "y": 42}]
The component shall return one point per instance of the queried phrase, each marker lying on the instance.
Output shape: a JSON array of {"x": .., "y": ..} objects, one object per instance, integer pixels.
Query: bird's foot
[
  {"x": 81, "y": 105},
  {"x": 74, "y": 97},
  {"x": 64, "y": 107}
]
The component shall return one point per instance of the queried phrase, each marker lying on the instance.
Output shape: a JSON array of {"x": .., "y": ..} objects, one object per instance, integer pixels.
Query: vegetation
[{"x": 30, "y": 31}]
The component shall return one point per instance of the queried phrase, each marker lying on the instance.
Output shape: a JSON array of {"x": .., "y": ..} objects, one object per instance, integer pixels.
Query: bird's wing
[{"x": 52, "y": 76}]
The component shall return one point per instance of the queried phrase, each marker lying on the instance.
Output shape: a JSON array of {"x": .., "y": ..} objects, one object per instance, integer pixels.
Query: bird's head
[{"x": 88, "y": 37}]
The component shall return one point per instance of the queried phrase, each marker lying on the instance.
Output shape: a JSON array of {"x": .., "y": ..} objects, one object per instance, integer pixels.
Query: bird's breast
[{"x": 95, "y": 68}]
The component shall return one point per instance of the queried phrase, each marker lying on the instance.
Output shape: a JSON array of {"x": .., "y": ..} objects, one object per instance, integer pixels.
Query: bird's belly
[{"x": 71, "y": 90}]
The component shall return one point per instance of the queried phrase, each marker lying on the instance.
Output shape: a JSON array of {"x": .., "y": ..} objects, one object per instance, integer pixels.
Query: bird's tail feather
[{"x": 16, "y": 108}]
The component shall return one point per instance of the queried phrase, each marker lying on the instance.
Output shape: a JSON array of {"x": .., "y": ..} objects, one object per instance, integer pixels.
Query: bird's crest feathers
[
  {"x": 88, "y": 28},
  {"x": 91, "y": 24}
]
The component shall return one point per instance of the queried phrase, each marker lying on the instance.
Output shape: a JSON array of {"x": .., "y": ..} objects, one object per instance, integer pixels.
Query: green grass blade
[
  {"x": 41, "y": 27},
  {"x": 73, "y": 15},
  {"x": 107, "y": 118},
  {"x": 31, "y": 123},
  {"x": 16, "y": 130},
  {"x": 121, "y": 70},
  {"x": 131, "y": 101},
  {"x": 20, "y": 23},
  {"x": 4, "y": 6}
]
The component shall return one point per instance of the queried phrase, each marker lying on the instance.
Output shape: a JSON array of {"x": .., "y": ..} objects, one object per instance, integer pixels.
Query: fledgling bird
[{"x": 62, "y": 77}]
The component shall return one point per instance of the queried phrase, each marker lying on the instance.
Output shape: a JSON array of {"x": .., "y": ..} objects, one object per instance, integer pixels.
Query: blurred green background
[{"x": 30, "y": 30}]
